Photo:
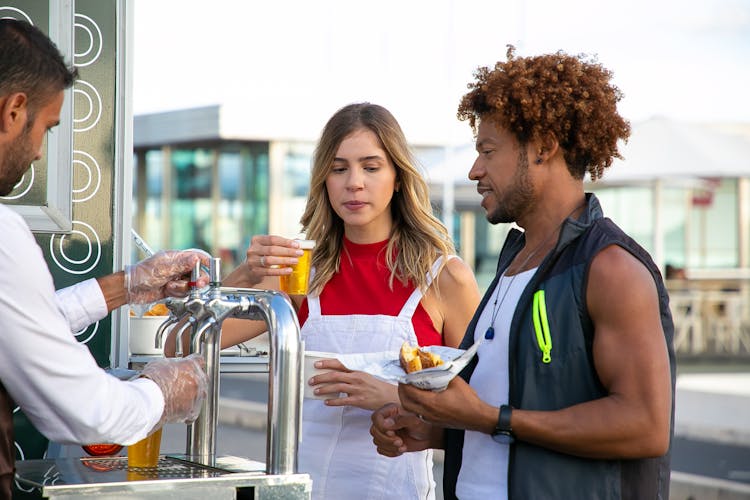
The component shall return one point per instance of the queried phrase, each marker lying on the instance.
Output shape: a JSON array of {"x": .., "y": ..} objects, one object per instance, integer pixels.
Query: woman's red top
[{"x": 361, "y": 287}]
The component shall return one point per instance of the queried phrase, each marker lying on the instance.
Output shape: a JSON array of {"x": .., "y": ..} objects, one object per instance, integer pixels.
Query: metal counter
[{"x": 110, "y": 478}]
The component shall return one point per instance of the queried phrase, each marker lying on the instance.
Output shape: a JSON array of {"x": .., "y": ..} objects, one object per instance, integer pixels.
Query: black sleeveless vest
[{"x": 570, "y": 378}]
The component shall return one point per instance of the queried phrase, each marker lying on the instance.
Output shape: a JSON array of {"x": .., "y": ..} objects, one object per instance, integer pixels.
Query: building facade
[{"x": 205, "y": 179}]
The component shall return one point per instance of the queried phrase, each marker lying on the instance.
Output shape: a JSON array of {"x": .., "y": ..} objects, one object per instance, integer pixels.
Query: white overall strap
[
  {"x": 411, "y": 305},
  {"x": 313, "y": 302}
]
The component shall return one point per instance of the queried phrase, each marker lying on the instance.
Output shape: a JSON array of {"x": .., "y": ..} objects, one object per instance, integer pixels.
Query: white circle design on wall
[
  {"x": 86, "y": 99},
  {"x": 92, "y": 328},
  {"x": 87, "y": 176},
  {"x": 92, "y": 255},
  {"x": 13, "y": 13},
  {"x": 94, "y": 34},
  {"x": 28, "y": 175}
]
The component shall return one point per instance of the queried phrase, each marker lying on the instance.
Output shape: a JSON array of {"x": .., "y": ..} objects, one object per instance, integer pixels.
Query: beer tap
[
  {"x": 204, "y": 312},
  {"x": 201, "y": 438},
  {"x": 195, "y": 309},
  {"x": 177, "y": 313}
]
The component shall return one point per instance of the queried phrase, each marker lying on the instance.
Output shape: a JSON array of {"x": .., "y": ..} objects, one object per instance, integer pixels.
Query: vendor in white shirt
[{"x": 47, "y": 373}]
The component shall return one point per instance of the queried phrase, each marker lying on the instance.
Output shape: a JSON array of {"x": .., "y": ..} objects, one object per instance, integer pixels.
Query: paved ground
[{"x": 714, "y": 407}]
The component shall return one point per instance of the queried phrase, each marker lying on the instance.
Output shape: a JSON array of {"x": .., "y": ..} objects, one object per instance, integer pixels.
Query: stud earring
[{"x": 538, "y": 161}]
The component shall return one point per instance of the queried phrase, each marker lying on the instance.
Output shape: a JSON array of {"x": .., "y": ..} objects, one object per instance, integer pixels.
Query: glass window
[
  {"x": 296, "y": 176},
  {"x": 154, "y": 179},
  {"x": 154, "y": 172},
  {"x": 192, "y": 170},
  {"x": 242, "y": 208},
  {"x": 714, "y": 225},
  {"x": 675, "y": 209},
  {"x": 191, "y": 224},
  {"x": 632, "y": 209},
  {"x": 230, "y": 171}
]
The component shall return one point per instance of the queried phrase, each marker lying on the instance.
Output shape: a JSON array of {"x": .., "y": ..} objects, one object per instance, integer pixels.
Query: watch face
[{"x": 502, "y": 437}]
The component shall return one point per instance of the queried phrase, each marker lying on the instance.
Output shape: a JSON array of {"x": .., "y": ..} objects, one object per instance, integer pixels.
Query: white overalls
[{"x": 337, "y": 449}]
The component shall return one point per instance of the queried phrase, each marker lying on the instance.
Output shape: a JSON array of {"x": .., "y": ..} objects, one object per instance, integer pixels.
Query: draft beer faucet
[{"x": 203, "y": 313}]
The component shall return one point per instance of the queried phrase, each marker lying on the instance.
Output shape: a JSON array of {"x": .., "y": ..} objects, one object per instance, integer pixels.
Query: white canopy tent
[{"x": 676, "y": 151}]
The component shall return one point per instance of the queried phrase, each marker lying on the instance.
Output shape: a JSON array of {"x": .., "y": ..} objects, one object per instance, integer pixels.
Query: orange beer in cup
[
  {"x": 145, "y": 453},
  {"x": 296, "y": 283}
]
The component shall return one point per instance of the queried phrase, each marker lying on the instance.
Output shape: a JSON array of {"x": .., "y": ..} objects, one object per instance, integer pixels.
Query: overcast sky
[{"x": 683, "y": 59}]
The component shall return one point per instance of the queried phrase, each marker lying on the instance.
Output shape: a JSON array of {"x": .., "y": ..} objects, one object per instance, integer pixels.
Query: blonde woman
[{"x": 384, "y": 272}]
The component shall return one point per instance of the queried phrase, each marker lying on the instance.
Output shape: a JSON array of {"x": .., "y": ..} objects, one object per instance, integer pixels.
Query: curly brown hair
[{"x": 567, "y": 97}]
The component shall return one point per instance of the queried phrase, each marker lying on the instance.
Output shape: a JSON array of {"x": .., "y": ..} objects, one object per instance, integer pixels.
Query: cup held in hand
[
  {"x": 296, "y": 283},
  {"x": 310, "y": 371}
]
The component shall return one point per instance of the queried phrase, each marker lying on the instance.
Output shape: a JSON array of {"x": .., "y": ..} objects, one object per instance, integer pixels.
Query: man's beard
[
  {"x": 517, "y": 198},
  {"x": 16, "y": 162}
]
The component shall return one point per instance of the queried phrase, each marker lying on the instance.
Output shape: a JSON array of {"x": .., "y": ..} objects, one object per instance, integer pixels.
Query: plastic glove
[
  {"x": 164, "y": 274},
  {"x": 183, "y": 382}
]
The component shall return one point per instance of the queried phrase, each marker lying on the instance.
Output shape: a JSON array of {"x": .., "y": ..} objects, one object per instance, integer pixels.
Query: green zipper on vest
[{"x": 541, "y": 326}]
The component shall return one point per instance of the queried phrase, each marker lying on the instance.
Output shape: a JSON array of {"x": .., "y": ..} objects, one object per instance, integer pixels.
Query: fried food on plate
[
  {"x": 158, "y": 310},
  {"x": 413, "y": 359}
]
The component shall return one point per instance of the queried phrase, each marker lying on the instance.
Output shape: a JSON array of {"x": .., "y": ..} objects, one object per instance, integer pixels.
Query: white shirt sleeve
[
  {"x": 82, "y": 304},
  {"x": 48, "y": 373}
]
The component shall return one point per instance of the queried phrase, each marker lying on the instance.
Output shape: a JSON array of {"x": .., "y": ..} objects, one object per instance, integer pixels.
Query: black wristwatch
[{"x": 503, "y": 432}]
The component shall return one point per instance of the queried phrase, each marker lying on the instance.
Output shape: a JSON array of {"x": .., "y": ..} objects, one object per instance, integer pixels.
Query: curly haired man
[{"x": 571, "y": 394}]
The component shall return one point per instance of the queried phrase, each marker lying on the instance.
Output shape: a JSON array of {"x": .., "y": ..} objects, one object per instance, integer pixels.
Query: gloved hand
[
  {"x": 183, "y": 382},
  {"x": 164, "y": 274}
]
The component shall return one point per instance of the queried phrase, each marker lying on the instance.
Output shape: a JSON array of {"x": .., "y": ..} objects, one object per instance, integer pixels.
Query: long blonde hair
[{"x": 417, "y": 238}]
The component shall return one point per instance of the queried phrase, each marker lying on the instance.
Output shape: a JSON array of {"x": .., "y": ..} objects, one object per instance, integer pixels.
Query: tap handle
[
  {"x": 214, "y": 272},
  {"x": 195, "y": 274},
  {"x": 193, "y": 283}
]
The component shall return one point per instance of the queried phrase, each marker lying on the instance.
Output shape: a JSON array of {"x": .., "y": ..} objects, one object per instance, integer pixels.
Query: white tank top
[{"x": 484, "y": 467}]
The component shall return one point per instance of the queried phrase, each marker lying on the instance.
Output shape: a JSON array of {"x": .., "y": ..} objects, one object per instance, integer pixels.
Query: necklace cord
[{"x": 490, "y": 333}]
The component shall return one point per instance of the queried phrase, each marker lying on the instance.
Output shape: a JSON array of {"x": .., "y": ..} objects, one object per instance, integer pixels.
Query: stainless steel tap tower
[{"x": 202, "y": 313}]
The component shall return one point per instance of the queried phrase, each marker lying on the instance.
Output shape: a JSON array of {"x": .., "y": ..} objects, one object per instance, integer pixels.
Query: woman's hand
[
  {"x": 359, "y": 389},
  {"x": 267, "y": 256}
]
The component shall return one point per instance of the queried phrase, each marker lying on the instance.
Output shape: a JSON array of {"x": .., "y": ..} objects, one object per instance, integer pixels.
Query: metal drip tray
[{"x": 173, "y": 477}]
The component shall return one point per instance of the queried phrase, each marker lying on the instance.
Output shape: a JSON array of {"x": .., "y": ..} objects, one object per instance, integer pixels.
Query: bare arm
[
  {"x": 452, "y": 305},
  {"x": 113, "y": 289},
  {"x": 630, "y": 356},
  {"x": 235, "y": 331}
]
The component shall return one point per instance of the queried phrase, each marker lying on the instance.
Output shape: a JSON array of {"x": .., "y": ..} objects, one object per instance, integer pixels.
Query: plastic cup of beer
[
  {"x": 296, "y": 282},
  {"x": 145, "y": 453}
]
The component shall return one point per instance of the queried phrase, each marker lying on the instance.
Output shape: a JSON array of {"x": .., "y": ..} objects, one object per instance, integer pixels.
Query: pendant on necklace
[{"x": 490, "y": 333}]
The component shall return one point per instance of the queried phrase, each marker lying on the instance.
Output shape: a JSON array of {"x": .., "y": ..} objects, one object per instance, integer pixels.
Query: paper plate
[{"x": 386, "y": 366}]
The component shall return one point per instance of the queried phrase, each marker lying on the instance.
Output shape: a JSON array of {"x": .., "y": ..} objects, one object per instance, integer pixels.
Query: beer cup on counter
[
  {"x": 296, "y": 283},
  {"x": 145, "y": 453}
]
